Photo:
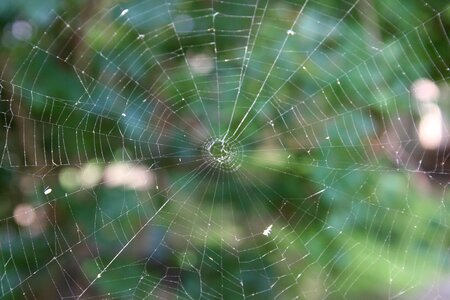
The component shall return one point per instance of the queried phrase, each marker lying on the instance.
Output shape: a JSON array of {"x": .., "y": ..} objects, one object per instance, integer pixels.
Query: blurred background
[{"x": 224, "y": 149}]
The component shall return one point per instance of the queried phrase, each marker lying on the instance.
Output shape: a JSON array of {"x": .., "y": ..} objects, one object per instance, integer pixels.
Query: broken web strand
[
  {"x": 140, "y": 85},
  {"x": 171, "y": 25},
  {"x": 65, "y": 102},
  {"x": 122, "y": 14},
  {"x": 241, "y": 185},
  {"x": 47, "y": 190}
]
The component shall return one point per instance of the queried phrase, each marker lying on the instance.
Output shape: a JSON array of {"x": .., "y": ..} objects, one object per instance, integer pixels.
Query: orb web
[
  {"x": 223, "y": 154},
  {"x": 162, "y": 149}
]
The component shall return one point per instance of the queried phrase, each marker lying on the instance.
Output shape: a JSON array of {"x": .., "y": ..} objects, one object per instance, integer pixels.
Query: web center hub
[{"x": 222, "y": 154}]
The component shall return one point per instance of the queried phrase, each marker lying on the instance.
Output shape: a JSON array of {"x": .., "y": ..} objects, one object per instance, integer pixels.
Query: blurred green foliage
[{"x": 349, "y": 217}]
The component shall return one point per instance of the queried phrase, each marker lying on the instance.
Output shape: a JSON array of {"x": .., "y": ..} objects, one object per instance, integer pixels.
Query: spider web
[{"x": 227, "y": 149}]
